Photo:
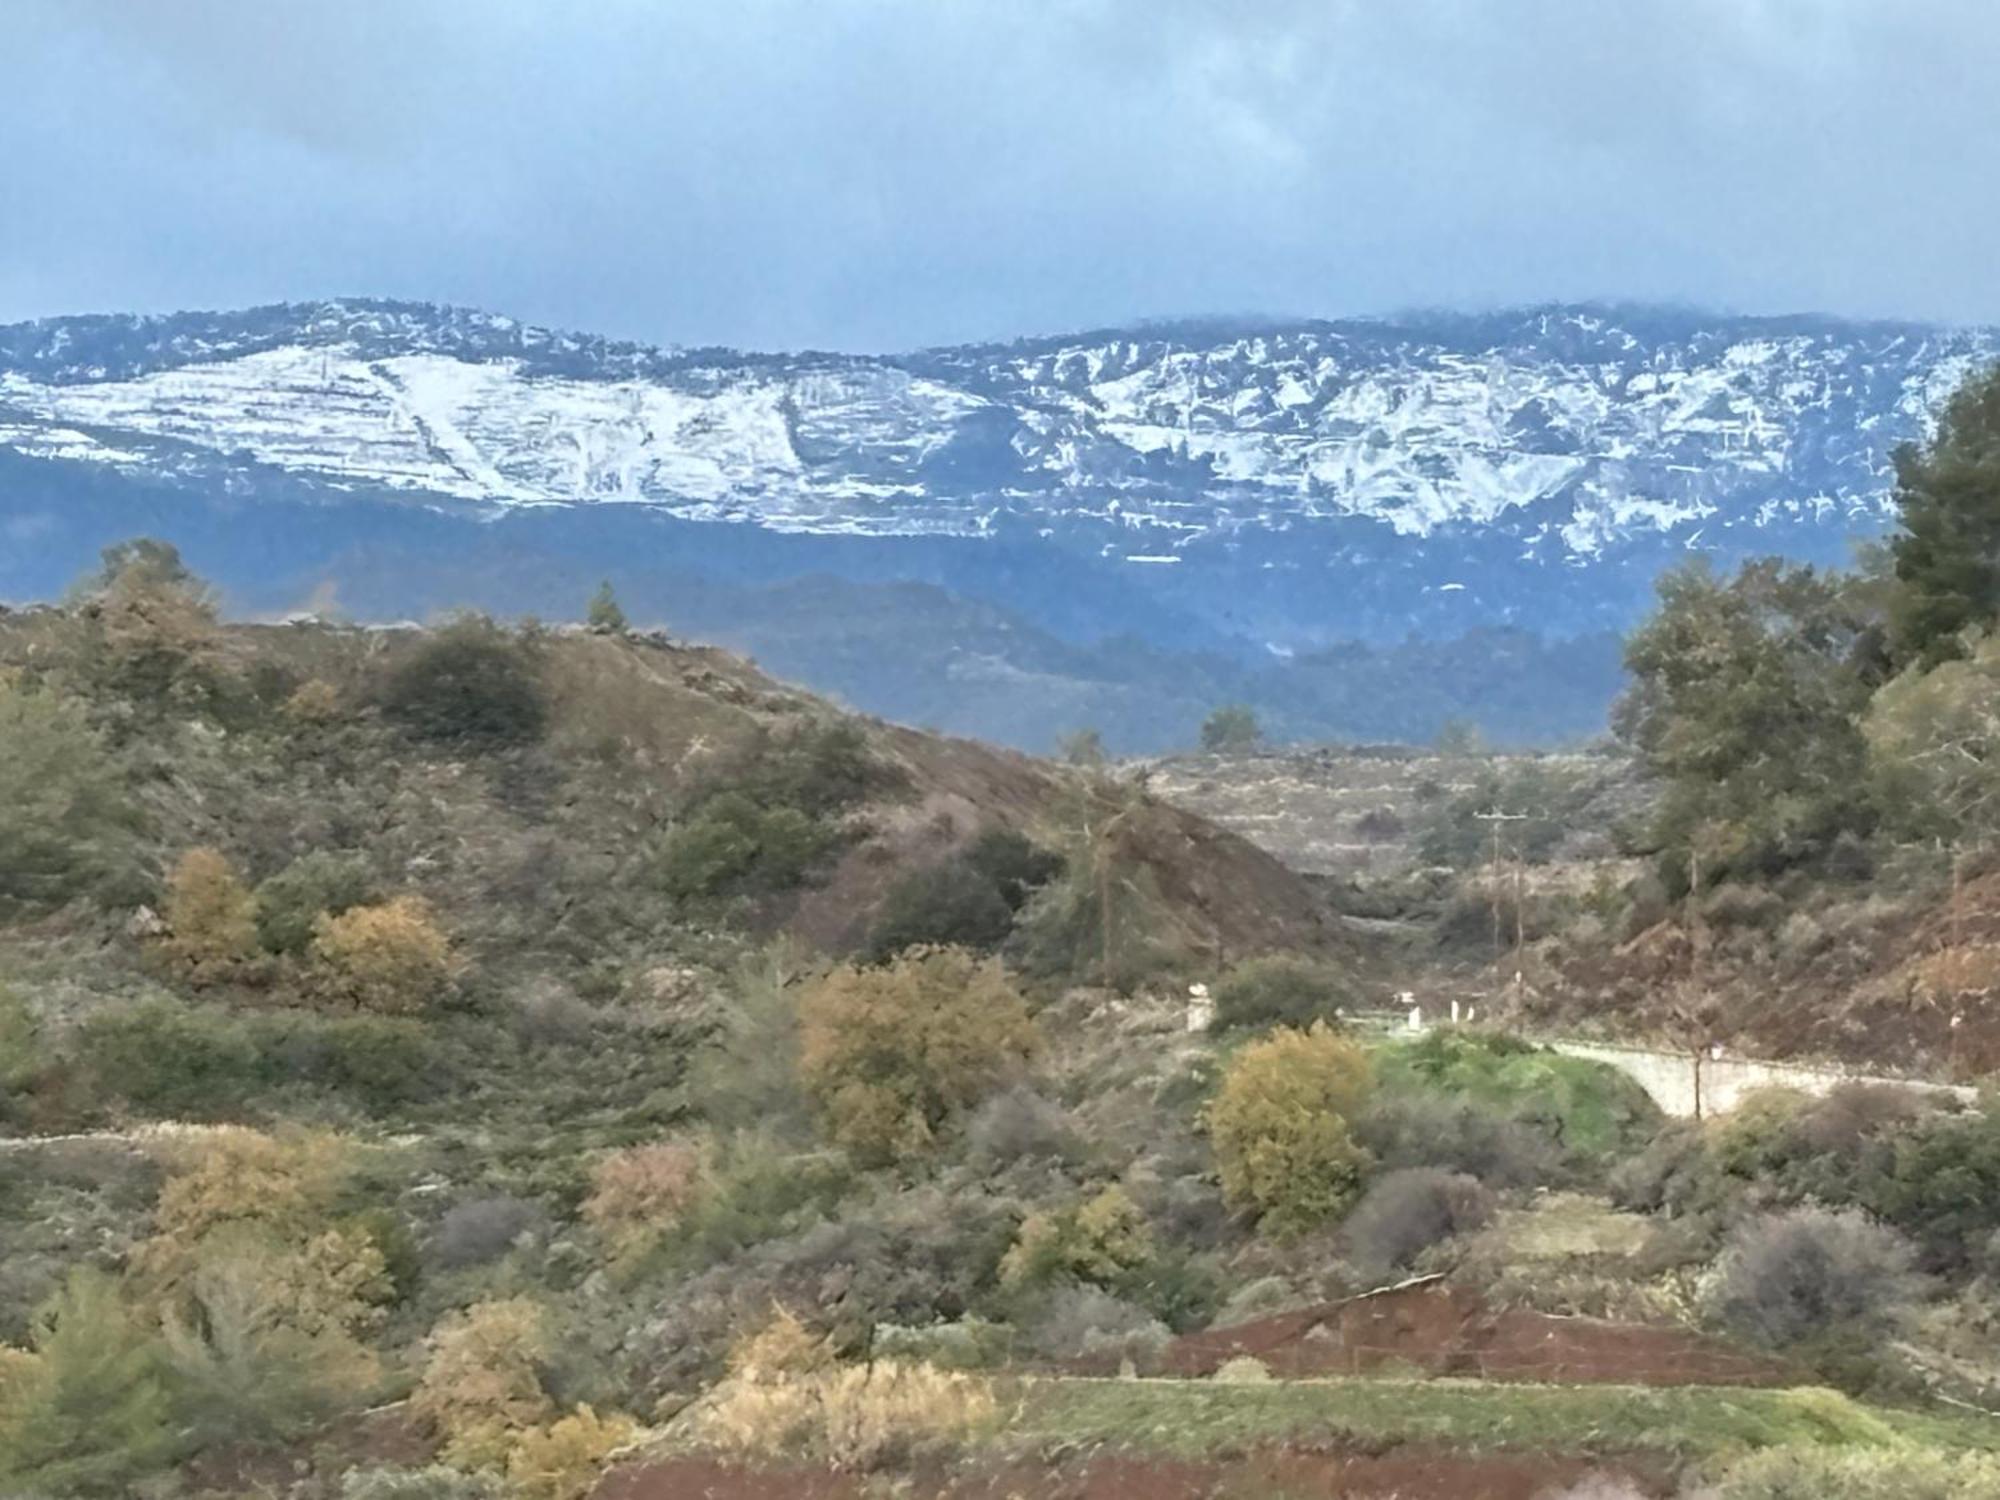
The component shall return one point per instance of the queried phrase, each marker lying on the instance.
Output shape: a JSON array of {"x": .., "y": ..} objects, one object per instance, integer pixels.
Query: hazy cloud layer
[{"x": 884, "y": 173}]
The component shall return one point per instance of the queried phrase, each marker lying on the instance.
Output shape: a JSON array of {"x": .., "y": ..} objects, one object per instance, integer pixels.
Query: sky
[{"x": 887, "y": 174}]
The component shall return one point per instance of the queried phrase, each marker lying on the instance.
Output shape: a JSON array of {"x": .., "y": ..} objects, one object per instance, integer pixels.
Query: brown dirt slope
[{"x": 1443, "y": 1330}]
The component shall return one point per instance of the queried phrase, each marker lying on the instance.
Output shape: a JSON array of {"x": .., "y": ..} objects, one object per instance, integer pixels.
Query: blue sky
[{"x": 881, "y": 174}]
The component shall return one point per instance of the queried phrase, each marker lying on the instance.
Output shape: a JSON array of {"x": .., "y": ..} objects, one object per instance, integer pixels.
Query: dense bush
[
  {"x": 1017, "y": 866},
  {"x": 66, "y": 820},
  {"x": 210, "y": 918},
  {"x": 951, "y": 904},
  {"x": 470, "y": 683},
  {"x": 391, "y": 958},
  {"x": 1098, "y": 1240},
  {"x": 481, "y": 1229},
  {"x": 481, "y": 1385},
  {"x": 732, "y": 845},
  {"x": 169, "y": 1059},
  {"x": 1280, "y": 990},
  {"x": 1814, "y": 1276},
  {"x": 1279, "y": 1126},
  {"x": 642, "y": 1192},
  {"x": 1591, "y": 1111},
  {"x": 310, "y": 887},
  {"x": 1426, "y": 1129},
  {"x": 1019, "y": 1124},
  {"x": 1404, "y": 1213},
  {"x": 892, "y": 1055},
  {"x": 87, "y": 1409},
  {"x": 820, "y": 769}
]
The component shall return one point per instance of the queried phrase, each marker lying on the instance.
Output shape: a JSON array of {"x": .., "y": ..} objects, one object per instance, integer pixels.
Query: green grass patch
[
  {"x": 1595, "y": 1112},
  {"x": 1686, "y": 1424}
]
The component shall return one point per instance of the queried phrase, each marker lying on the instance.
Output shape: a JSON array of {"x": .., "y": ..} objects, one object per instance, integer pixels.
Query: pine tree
[
  {"x": 1947, "y": 555},
  {"x": 606, "y": 617},
  {"x": 89, "y": 1409}
]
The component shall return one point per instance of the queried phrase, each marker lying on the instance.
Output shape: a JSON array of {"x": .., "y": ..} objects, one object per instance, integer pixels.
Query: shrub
[
  {"x": 210, "y": 917},
  {"x": 642, "y": 1192},
  {"x": 1424, "y": 1129},
  {"x": 604, "y": 615},
  {"x": 282, "y": 1187},
  {"x": 22, "y": 1052},
  {"x": 263, "y": 1332},
  {"x": 890, "y": 1056},
  {"x": 1814, "y": 1276},
  {"x": 1098, "y": 1240},
  {"x": 1279, "y": 1126},
  {"x": 481, "y": 1229},
  {"x": 1017, "y": 866},
  {"x": 1231, "y": 729},
  {"x": 1279, "y": 990},
  {"x": 1406, "y": 1212},
  {"x": 949, "y": 904},
  {"x": 733, "y": 845},
  {"x": 314, "y": 885},
  {"x": 481, "y": 1384},
  {"x": 152, "y": 622},
  {"x": 168, "y": 1059},
  {"x": 857, "y": 1418},
  {"x": 87, "y": 1409},
  {"x": 1845, "y": 1473},
  {"x": 1087, "y": 1322},
  {"x": 314, "y": 701},
  {"x": 65, "y": 819},
  {"x": 1941, "y": 1185},
  {"x": 392, "y": 958},
  {"x": 820, "y": 770},
  {"x": 560, "y": 1461},
  {"x": 1591, "y": 1110},
  {"x": 470, "y": 683},
  {"x": 1019, "y": 1124}
]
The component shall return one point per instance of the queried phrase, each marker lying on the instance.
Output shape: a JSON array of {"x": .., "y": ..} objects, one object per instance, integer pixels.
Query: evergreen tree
[
  {"x": 88, "y": 1409},
  {"x": 606, "y": 617},
  {"x": 1745, "y": 703},
  {"x": 1947, "y": 555}
]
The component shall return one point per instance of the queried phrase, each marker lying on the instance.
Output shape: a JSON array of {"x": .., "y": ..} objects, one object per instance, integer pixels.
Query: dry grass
[{"x": 857, "y": 1418}]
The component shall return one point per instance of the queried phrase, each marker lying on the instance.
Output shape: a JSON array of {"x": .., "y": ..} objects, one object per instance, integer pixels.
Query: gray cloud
[{"x": 882, "y": 173}]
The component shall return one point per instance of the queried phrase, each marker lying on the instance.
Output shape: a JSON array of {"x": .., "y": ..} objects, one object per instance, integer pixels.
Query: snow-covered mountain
[
  {"x": 1572, "y": 428},
  {"x": 1231, "y": 486}
]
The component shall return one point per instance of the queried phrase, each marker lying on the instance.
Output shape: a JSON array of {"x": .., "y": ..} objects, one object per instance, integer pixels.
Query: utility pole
[{"x": 1496, "y": 817}]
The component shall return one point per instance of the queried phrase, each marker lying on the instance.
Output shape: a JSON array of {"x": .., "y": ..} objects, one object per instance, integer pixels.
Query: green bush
[
  {"x": 732, "y": 845},
  {"x": 88, "y": 1409},
  {"x": 948, "y": 905},
  {"x": 314, "y": 885},
  {"x": 1017, "y": 866},
  {"x": 66, "y": 821},
  {"x": 1279, "y": 990},
  {"x": 1594, "y": 1113},
  {"x": 470, "y": 683},
  {"x": 820, "y": 769},
  {"x": 23, "y": 1054},
  {"x": 1940, "y": 1184},
  {"x": 169, "y": 1059}
]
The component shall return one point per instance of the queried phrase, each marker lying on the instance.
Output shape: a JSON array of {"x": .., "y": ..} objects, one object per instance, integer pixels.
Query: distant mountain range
[{"x": 1361, "y": 527}]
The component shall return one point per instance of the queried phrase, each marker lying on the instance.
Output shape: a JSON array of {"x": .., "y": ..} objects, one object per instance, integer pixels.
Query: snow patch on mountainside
[{"x": 1573, "y": 431}]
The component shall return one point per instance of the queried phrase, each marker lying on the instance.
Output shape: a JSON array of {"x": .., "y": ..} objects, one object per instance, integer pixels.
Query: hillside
[{"x": 511, "y": 1064}]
